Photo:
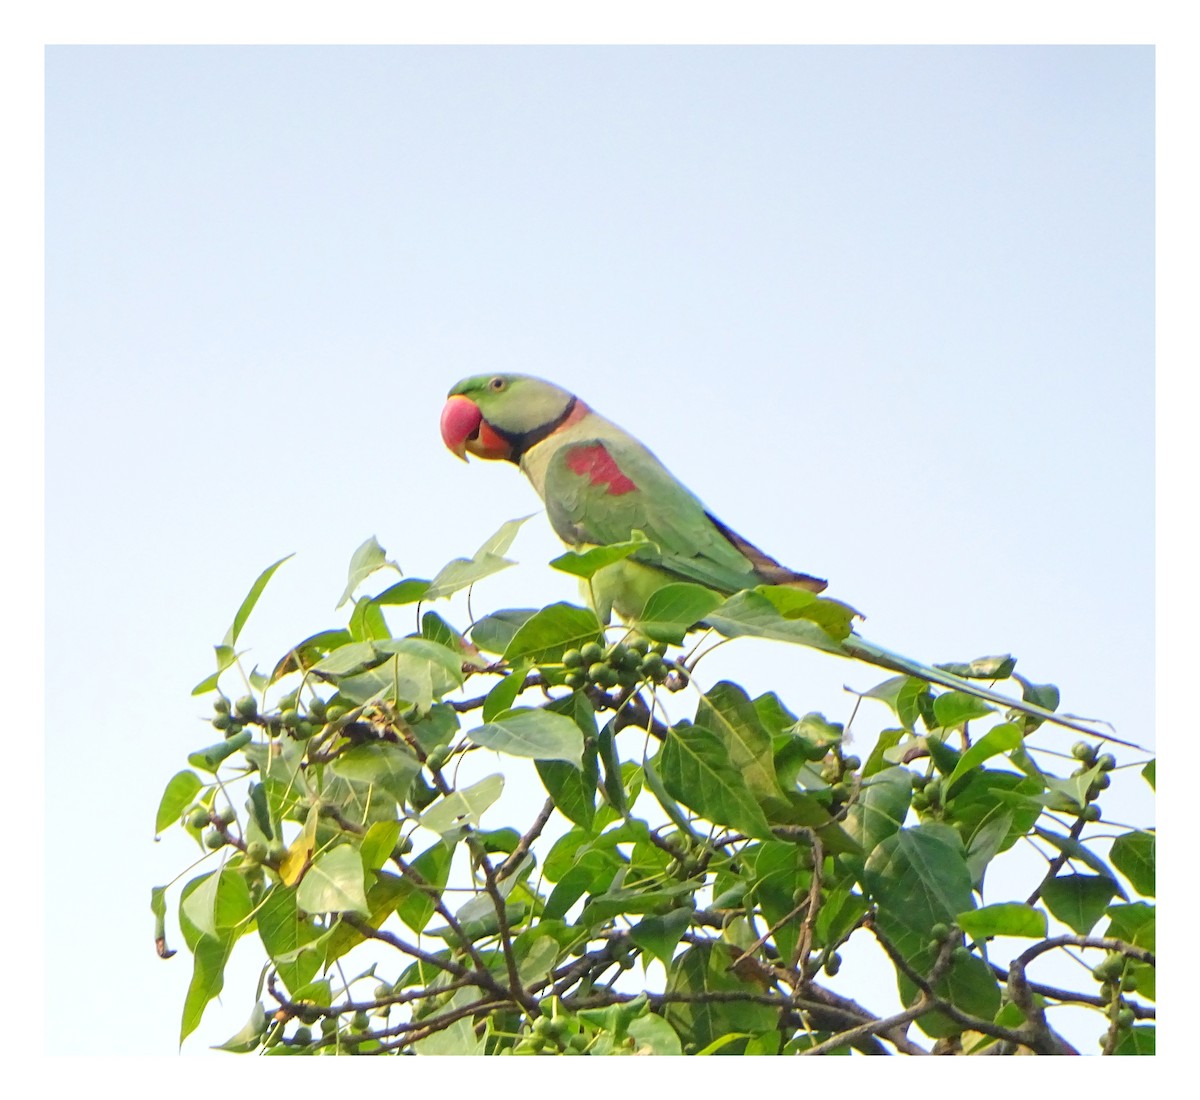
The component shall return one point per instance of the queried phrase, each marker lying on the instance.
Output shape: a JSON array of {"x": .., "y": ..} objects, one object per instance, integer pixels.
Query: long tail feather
[{"x": 863, "y": 650}]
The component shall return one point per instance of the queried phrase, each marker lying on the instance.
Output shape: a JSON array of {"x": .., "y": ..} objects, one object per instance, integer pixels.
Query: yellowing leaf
[{"x": 298, "y": 855}]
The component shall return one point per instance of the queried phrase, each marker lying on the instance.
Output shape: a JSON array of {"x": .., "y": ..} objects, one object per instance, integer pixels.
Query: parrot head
[{"x": 500, "y": 416}]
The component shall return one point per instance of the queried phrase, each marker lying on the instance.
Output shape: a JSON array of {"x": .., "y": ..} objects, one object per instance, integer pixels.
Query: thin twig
[
  {"x": 535, "y": 830},
  {"x": 1057, "y": 863}
]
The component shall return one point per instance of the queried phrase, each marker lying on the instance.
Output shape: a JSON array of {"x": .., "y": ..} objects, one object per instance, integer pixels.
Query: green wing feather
[{"x": 602, "y": 496}]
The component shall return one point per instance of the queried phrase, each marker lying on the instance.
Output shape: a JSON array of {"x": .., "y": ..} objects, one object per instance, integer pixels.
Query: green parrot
[{"x": 600, "y": 485}]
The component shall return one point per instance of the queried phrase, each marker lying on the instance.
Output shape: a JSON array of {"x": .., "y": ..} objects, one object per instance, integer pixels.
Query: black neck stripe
[{"x": 520, "y": 442}]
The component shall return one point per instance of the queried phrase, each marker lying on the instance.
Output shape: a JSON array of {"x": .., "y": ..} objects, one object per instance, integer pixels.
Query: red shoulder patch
[{"x": 600, "y": 468}]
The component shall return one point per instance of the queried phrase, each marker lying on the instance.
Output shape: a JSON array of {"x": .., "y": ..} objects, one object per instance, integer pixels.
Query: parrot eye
[{"x": 497, "y": 384}]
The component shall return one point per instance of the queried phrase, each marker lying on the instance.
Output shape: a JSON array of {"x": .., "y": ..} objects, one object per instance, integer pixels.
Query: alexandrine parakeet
[{"x": 600, "y": 486}]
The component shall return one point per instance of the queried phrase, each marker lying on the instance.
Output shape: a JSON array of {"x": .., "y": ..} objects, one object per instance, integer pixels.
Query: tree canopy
[{"x": 697, "y": 863}]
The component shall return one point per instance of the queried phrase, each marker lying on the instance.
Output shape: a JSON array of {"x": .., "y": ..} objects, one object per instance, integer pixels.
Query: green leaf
[
  {"x": 347, "y": 659},
  {"x": 945, "y": 758},
  {"x": 1045, "y": 696},
  {"x": 459, "y": 1037},
  {"x": 653, "y": 1035},
  {"x": 1071, "y": 793},
  {"x": 779, "y": 872},
  {"x": 284, "y": 934},
  {"x": 908, "y": 696},
  {"x": 1133, "y": 855},
  {"x": 914, "y": 700},
  {"x": 1003, "y": 919},
  {"x": 1077, "y": 850},
  {"x": 383, "y": 895},
  {"x": 695, "y": 768},
  {"x": 751, "y": 614},
  {"x": 493, "y": 633},
  {"x": 1002, "y": 738},
  {"x": 534, "y": 733},
  {"x": 464, "y": 572},
  {"x": 378, "y": 844},
  {"x": 717, "y": 1045},
  {"x": 614, "y": 781},
  {"x": 435, "y": 629},
  {"x": 1148, "y": 774},
  {"x": 285, "y": 782},
  {"x": 210, "y": 759},
  {"x": 449, "y": 813},
  {"x": 551, "y": 631},
  {"x": 982, "y": 668},
  {"x": 986, "y": 842},
  {"x": 832, "y": 616},
  {"x": 444, "y": 661},
  {"x": 224, "y": 908},
  {"x": 504, "y": 694},
  {"x": 368, "y": 558},
  {"x": 952, "y": 709},
  {"x": 1042, "y": 695},
  {"x": 727, "y": 710},
  {"x": 251, "y": 1035},
  {"x": 970, "y": 985},
  {"x": 590, "y": 562},
  {"x": 379, "y": 764},
  {"x": 881, "y": 807},
  {"x": 334, "y": 883},
  {"x": 417, "y": 672},
  {"x": 702, "y": 974},
  {"x": 209, "y": 957},
  {"x": 500, "y": 542},
  {"x": 992, "y": 810},
  {"x": 778, "y": 720},
  {"x": 919, "y": 877},
  {"x": 671, "y": 611},
  {"x": 1146, "y": 977},
  {"x": 479, "y": 920},
  {"x": 308, "y": 652},
  {"x": 418, "y": 903},
  {"x": 319, "y": 992},
  {"x": 536, "y": 957},
  {"x": 218, "y": 904},
  {"x": 619, "y": 901},
  {"x": 225, "y": 659},
  {"x": 888, "y": 739},
  {"x": 256, "y": 590},
  {"x": 1133, "y": 923},
  {"x": 673, "y": 810},
  {"x": 158, "y": 906},
  {"x": 660, "y": 935},
  {"x": 590, "y": 871},
  {"x": 888, "y": 691},
  {"x": 840, "y": 912},
  {"x": 616, "y": 1018},
  {"x": 499, "y": 840},
  {"x": 819, "y": 734},
  {"x": 436, "y": 728},
  {"x": 403, "y": 592},
  {"x": 1137, "y": 1040},
  {"x": 176, "y": 798},
  {"x": 367, "y": 622},
  {"x": 573, "y": 789},
  {"x": 1079, "y": 901}
]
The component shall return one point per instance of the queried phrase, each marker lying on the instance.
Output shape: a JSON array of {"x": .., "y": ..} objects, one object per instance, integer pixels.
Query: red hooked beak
[{"x": 464, "y": 429}]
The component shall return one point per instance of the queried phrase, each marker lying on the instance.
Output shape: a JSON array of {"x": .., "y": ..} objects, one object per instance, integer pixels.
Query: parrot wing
[{"x": 598, "y": 491}]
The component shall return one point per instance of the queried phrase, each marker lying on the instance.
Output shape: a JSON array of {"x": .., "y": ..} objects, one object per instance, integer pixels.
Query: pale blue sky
[{"x": 888, "y": 311}]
